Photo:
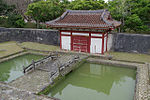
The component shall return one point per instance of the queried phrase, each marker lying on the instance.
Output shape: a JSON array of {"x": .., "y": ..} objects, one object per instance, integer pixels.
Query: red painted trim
[
  {"x": 82, "y": 31},
  {"x": 102, "y": 28},
  {"x": 103, "y": 44},
  {"x": 60, "y": 41},
  {"x": 80, "y": 35},
  {"x": 89, "y": 44},
  {"x": 96, "y": 33},
  {"x": 106, "y": 41},
  {"x": 65, "y": 35},
  {"x": 71, "y": 41}
]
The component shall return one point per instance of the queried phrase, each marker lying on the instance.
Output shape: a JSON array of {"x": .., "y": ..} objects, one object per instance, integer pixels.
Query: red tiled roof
[{"x": 84, "y": 19}]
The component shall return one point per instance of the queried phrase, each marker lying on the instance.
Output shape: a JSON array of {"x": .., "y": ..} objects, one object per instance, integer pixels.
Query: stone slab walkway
[
  {"x": 33, "y": 82},
  {"x": 10, "y": 93}
]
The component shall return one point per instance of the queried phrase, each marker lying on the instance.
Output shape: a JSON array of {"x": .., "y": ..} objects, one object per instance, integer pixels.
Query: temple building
[{"x": 84, "y": 30}]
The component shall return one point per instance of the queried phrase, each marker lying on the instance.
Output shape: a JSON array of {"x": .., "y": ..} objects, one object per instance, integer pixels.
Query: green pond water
[
  {"x": 12, "y": 69},
  {"x": 96, "y": 82}
]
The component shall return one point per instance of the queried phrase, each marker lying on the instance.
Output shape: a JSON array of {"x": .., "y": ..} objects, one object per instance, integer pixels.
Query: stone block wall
[
  {"x": 137, "y": 43},
  {"x": 44, "y": 36}
]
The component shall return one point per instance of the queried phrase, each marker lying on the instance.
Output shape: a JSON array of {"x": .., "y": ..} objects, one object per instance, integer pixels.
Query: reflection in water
[
  {"x": 96, "y": 82},
  {"x": 12, "y": 69}
]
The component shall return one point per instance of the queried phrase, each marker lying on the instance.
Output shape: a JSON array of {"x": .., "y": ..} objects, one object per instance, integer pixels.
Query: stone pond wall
[
  {"x": 121, "y": 42},
  {"x": 137, "y": 43},
  {"x": 44, "y": 36}
]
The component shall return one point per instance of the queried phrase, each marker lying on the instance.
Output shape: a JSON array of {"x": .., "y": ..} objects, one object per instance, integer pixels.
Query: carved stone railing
[
  {"x": 38, "y": 63},
  {"x": 60, "y": 67}
]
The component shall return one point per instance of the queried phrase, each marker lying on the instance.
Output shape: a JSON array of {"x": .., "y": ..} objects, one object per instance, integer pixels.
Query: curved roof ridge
[
  {"x": 104, "y": 19},
  {"x": 87, "y": 11}
]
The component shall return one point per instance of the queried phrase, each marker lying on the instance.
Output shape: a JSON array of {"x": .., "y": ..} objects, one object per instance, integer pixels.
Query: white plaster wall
[
  {"x": 83, "y": 34},
  {"x": 100, "y": 35},
  {"x": 96, "y": 45},
  {"x": 110, "y": 41},
  {"x": 105, "y": 43},
  {"x": 66, "y": 42},
  {"x": 67, "y": 33}
]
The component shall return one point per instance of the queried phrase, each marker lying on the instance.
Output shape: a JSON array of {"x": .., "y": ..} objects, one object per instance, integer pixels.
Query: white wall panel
[
  {"x": 96, "y": 45},
  {"x": 67, "y": 33},
  {"x": 66, "y": 42},
  {"x": 100, "y": 35},
  {"x": 105, "y": 44},
  {"x": 83, "y": 34}
]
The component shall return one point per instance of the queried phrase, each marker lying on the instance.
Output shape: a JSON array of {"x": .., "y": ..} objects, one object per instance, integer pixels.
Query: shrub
[{"x": 15, "y": 20}]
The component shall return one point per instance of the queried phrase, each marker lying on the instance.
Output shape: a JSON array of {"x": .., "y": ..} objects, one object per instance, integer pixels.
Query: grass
[
  {"x": 130, "y": 56},
  {"x": 38, "y": 46},
  {"x": 9, "y": 48}
]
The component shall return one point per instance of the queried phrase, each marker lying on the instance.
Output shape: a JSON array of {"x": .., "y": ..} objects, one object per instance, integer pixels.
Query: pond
[
  {"x": 96, "y": 82},
  {"x": 12, "y": 69}
]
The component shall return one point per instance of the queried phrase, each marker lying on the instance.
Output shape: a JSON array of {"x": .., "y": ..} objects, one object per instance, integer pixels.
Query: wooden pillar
[
  {"x": 60, "y": 41},
  {"x": 89, "y": 44},
  {"x": 106, "y": 41},
  {"x": 71, "y": 41},
  {"x": 103, "y": 43}
]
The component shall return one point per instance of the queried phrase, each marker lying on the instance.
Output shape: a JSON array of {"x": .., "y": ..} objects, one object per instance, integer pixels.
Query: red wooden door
[{"x": 80, "y": 43}]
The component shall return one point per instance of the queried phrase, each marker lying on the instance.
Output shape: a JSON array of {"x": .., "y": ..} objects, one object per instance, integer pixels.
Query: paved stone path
[
  {"x": 11, "y": 93},
  {"x": 33, "y": 82}
]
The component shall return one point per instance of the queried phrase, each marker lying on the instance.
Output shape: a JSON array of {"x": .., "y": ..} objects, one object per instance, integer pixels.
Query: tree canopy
[
  {"x": 44, "y": 10},
  {"x": 87, "y": 5},
  {"x": 132, "y": 13}
]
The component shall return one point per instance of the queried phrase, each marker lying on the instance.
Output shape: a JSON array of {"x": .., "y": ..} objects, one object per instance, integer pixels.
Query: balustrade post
[
  {"x": 24, "y": 69},
  {"x": 33, "y": 63}
]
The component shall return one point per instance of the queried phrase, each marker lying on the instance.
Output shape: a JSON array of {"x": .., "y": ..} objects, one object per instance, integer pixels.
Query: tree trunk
[{"x": 37, "y": 24}]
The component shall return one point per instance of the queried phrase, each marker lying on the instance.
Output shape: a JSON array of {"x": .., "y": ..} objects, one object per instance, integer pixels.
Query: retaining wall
[
  {"x": 44, "y": 36},
  {"x": 137, "y": 43}
]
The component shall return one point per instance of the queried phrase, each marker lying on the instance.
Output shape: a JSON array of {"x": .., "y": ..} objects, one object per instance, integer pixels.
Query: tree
[
  {"x": 44, "y": 10},
  {"x": 15, "y": 20},
  {"x": 87, "y": 4},
  {"x": 134, "y": 23},
  {"x": 5, "y": 9},
  {"x": 119, "y": 10},
  {"x": 124, "y": 10},
  {"x": 20, "y": 5}
]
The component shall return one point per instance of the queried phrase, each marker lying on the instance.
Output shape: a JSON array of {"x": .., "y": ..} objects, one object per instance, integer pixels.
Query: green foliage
[
  {"x": 134, "y": 23},
  {"x": 132, "y": 14},
  {"x": 3, "y": 21},
  {"x": 15, "y": 20},
  {"x": 30, "y": 25},
  {"x": 87, "y": 4},
  {"x": 5, "y": 9},
  {"x": 44, "y": 10},
  {"x": 9, "y": 17}
]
